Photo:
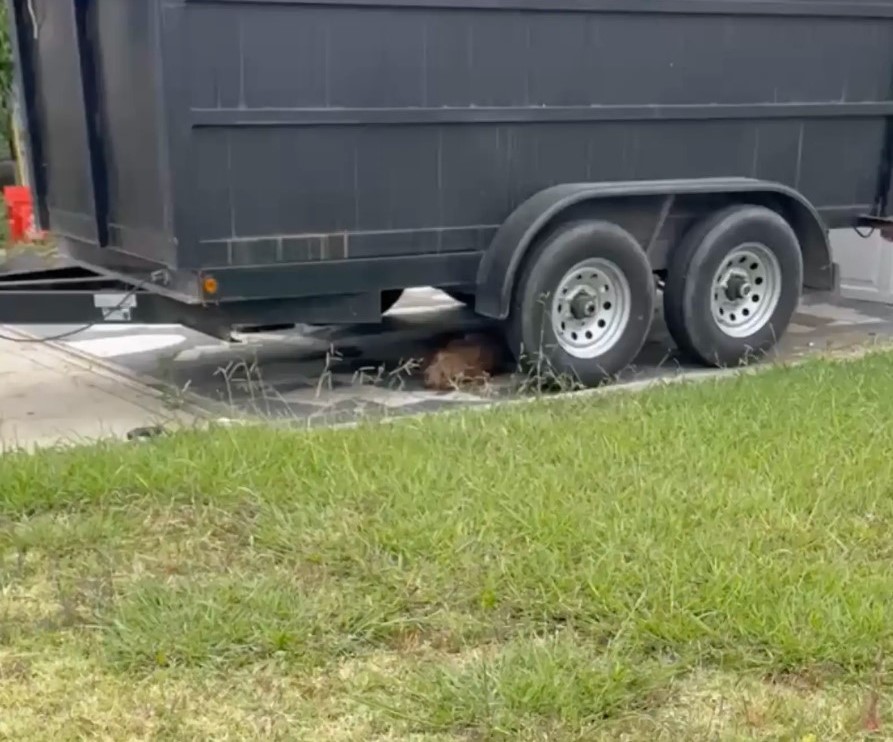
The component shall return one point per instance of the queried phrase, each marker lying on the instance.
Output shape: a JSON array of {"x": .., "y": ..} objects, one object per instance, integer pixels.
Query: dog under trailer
[{"x": 558, "y": 165}]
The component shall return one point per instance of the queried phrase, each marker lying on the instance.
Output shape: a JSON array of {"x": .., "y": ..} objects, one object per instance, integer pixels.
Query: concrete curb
[
  {"x": 632, "y": 387},
  {"x": 208, "y": 412}
]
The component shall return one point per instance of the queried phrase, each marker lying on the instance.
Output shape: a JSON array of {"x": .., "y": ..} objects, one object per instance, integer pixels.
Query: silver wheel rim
[
  {"x": 746, "y": 290},
  {"x": 591, "y": 308}
]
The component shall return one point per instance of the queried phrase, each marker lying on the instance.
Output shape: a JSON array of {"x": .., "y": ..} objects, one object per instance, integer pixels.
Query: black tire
[
  {"x": 695, "y": 262},
  {"x": 530, "y": 331},
  {"x": 389, "y": 298}
]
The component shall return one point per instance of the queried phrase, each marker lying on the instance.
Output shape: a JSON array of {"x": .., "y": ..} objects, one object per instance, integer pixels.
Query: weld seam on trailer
[
  {"x": 234, "y": 117},
  {"x": 796, "y": 8},
  {"x": 351, "y": 233}
]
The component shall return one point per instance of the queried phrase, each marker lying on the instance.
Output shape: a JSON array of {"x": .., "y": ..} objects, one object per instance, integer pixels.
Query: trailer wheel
[
  {"x": 389, "y": 298},
  {"x": 733, "y": 284},
  {"x": 583, "y": 304}
]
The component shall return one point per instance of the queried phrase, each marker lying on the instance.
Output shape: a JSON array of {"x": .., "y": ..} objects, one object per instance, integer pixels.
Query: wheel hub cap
[
  {"x": 583, "y": 305},
  {"x": 746, "y": 290},
  {"x": 591, "y": 308},
  {"x": 737, "y": 286}
]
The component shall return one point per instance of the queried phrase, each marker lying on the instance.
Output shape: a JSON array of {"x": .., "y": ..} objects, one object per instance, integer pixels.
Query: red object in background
[{"x": 20, "y": 212}]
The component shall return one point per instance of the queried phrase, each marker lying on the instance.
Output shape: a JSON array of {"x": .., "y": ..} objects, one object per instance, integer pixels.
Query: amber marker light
[{"x": 210, "y": 285}]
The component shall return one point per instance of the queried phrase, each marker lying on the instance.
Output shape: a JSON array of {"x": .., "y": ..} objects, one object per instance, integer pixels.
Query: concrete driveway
[
  {"x": 332, "y": 375},
  {"x": 49, "y": 396}
]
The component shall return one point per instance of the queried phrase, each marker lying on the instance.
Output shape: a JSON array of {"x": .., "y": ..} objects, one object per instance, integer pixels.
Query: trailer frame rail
[{"x": 76, "y": 295}]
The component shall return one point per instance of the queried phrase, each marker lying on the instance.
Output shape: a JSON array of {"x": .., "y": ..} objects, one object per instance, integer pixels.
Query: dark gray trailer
[{"x": 557, "y": 164}]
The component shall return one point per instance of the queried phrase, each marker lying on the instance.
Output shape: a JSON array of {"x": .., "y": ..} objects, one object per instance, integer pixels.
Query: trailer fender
[{"x": 501, "y": 262}]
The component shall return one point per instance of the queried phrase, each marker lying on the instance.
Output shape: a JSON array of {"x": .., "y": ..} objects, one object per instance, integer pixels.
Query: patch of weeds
[
  {"x": 551, "y": 685},
  {"x": 247, "y": 618}
]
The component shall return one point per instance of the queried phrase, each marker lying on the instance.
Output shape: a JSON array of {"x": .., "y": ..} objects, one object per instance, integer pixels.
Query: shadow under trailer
[{"x": 558, "y": 165}]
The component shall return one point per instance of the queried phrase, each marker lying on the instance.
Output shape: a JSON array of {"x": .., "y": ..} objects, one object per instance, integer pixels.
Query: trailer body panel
[
  {"x": 269, "y": 138},
  {"x": 91, "y": 78}
]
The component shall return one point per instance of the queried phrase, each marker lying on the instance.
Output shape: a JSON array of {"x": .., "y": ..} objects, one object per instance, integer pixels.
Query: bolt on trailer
[{"x": 555, "y": 164}]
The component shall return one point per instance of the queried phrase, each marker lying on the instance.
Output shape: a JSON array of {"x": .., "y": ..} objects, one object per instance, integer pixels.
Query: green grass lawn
[{"x": 709, "y": 561}]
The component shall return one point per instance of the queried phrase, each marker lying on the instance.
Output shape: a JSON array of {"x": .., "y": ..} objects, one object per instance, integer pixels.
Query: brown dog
[{"x": 466, "y": 361}]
